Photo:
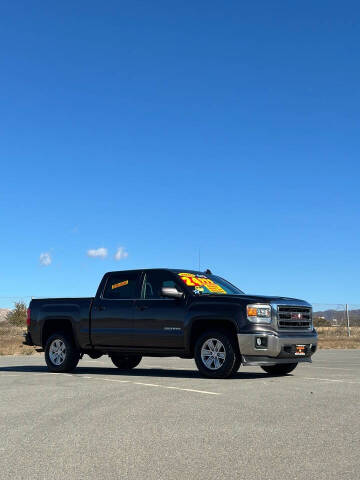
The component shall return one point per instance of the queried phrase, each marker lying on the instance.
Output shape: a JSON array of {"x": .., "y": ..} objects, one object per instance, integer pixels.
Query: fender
[{"x": 205, "y": 313}]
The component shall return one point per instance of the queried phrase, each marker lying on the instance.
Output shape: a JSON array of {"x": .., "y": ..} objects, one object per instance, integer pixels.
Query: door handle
[
  {"x": 142, "y": 307},
  {"x": 101, "y": 308}
]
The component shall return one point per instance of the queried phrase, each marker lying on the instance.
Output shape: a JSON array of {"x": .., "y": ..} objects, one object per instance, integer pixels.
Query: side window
[
  {"x": 153, "y": 283},
  {"x": 122, "y": 286}
]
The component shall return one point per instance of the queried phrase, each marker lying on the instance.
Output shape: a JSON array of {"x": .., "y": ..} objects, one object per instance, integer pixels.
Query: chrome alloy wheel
[
  {"x": 213, "y": 354},
  {"x": 57, "y": 352}
]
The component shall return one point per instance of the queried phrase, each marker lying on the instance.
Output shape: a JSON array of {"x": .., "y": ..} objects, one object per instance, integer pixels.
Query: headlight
[{"x": 259, "y": 313}]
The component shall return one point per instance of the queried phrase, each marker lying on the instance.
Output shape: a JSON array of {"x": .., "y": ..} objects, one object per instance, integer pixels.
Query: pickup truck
[{"x": 168, "y": 312}]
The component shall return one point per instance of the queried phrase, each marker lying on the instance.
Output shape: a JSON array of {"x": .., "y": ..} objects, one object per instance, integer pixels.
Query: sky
[{"x": 136, "y": 133}]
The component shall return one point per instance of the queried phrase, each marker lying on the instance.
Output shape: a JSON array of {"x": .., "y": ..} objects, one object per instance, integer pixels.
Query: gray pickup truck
[{"x": 167, "y": 312}]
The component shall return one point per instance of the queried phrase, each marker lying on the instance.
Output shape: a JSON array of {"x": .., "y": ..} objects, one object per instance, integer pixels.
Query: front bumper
[{"x": 277, "y": 347}]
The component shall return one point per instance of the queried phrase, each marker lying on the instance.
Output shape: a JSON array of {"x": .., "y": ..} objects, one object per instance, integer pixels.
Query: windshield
[{"x": 202, "y": 284}]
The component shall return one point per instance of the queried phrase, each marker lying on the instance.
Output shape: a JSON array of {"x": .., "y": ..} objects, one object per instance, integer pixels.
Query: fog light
[{"x": 261, "y": 342}]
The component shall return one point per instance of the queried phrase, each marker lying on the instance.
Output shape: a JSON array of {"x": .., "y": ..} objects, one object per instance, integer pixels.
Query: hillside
[
  {"x": 3, "y": 313},
  {"x": 339, "y": 315}
]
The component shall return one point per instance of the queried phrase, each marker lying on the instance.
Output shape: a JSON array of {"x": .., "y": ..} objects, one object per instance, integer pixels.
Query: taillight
[{"x": 28, "y": 317}]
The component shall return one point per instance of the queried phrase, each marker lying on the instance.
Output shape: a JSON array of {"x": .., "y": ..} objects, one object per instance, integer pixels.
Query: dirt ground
[{"x": 11, "y": 341}]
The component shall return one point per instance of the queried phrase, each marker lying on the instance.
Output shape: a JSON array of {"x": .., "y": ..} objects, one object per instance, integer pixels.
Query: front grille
[{"x": 299, "y": 318}]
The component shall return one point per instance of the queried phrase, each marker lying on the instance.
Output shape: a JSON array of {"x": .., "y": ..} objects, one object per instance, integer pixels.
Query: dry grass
[
  {"x": 337, "y": 337},
  {"x": 11, "y": 341}
]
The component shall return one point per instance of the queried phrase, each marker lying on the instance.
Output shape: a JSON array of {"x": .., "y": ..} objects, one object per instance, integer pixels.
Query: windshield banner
[{"x": 201, "y": 283}]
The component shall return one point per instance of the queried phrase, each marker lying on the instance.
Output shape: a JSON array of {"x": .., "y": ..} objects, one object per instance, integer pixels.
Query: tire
[
  {"x": 94, "y": 355},
  {"x": 61, "y": 354},
  {"x": 216, "y": 366},
  {"x": 280, "y": 368},
  {"x": 126, "y": 362},
  {"x": 237, "y": 364}
]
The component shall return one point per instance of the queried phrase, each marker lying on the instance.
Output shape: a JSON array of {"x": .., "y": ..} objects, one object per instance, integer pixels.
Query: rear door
[
  {"x": 112, "y": 314},
  {"x": 159, "y": 321}
]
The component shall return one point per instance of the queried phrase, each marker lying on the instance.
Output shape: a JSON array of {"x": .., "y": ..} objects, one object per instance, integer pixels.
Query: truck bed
[{"x": 75, "y": 310}]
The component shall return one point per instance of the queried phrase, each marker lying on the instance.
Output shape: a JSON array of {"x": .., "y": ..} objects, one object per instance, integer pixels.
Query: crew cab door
[
  {"x": 159, "y": 321},
  {"x": 112, "y": 314}
]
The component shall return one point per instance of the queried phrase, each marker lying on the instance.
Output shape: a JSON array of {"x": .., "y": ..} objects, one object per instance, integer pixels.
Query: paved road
[{"x": 165, "y": 422}]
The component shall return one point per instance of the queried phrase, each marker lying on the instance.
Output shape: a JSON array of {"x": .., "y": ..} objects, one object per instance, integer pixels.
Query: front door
[
  {"x": 112, "y": 314},
  {"x": 159, "y": 321}
]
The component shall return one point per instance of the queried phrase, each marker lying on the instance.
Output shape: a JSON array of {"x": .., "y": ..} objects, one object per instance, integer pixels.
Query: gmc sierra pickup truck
[{"x": 168, "y": 312}]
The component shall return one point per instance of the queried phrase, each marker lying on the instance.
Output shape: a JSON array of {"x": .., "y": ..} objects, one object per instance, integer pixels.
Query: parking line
[
  {"x": 134, "y": 383},
  {"x": 331, "y": 368},
  {"x": 114, "y": 380},
  {"x": 330, "y": 380},
  {"x": 176, "y": 388},
  {"x": 152, "y": 385},
  {"x": 341, "y": 364},
  {"x": 47, "y": 373}
]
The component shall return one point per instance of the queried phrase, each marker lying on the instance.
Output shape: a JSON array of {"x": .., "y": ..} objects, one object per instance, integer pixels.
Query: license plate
[{"x": 300, "y": 350}]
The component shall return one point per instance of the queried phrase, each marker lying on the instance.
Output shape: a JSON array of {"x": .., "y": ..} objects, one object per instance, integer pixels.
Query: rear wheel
[
  {"x": 215, "y": 354},
  {"x": 126, "y": 362},
  {"x": 61, "y": 354},
  {"x": 280, "y": 368}
]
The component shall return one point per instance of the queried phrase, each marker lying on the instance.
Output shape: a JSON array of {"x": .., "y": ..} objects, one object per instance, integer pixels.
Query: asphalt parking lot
[{"x": 163, "y": 421}]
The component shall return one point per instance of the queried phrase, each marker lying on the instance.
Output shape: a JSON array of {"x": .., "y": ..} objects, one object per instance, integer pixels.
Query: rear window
[{"x": 122, "y": 286}]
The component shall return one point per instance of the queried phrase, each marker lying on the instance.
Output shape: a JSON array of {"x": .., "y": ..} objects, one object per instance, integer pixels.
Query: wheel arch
[
  {"x": 202, "y": 325},
  {"x": 53, "y": 325}
]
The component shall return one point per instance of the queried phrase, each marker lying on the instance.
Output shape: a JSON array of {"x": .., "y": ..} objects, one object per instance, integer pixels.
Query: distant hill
[
  {"x": 3, "y": 313},
  {"x": 339, "y": 315}
]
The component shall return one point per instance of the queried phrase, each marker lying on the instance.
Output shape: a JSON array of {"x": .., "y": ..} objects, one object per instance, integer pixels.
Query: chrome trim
[
  {"x": 259, "y": 361},
  {"x": 275, "y": 343},
  {"x": 290, "y": 303}
]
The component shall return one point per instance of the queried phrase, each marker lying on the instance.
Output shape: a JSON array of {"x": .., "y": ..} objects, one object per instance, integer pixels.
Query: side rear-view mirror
[{"x": 171, "y": 292}]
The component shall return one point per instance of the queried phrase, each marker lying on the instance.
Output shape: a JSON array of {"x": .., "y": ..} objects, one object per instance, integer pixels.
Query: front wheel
[
  {"x": 216, "y": 355},
  {"x": 280, "y": 368},
  {"x": 126, "y": 362}
]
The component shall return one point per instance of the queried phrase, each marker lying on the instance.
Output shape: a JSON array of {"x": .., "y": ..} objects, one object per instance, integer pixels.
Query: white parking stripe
[
  {"x": 127, "y": 381},
  {"x": 114, "y": 380},
  {"x": 329, "y": 380},
  {"x": 340, "y": 363},
  {"x": 46, "y": 373},
  {"x": 176, "y": 388},
  {"x": 331, "y": 368}
]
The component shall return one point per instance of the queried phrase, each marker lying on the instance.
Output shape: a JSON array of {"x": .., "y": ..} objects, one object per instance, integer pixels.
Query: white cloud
[
  {"x": 45, "y": 259},
  {"x": 121, "y": 253},
  {"x": 97, "y": 252}
]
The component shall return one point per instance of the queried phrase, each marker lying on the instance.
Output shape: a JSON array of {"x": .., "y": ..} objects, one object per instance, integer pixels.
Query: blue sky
[{"x": 165, "y": 127}]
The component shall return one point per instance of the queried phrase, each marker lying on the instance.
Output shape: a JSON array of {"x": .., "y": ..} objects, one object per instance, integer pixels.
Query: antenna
[{"x": 199, "y": 259}]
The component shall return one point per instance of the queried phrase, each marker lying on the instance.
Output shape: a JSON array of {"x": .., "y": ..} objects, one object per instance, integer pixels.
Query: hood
[{"x": 249, "y": 298}]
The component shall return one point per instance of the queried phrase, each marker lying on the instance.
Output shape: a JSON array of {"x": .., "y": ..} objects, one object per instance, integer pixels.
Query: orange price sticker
[{"x": 121, "y": 284}]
